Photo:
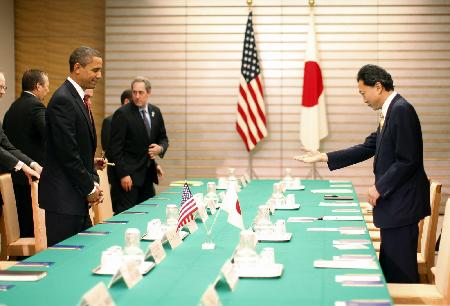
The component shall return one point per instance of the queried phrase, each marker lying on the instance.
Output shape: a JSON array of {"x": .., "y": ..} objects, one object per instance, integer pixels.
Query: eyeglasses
[{"x": 3, "y": 87}]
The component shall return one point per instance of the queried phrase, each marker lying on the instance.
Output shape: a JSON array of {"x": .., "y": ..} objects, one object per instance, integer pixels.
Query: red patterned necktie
[{"x": 87, "y": 104}]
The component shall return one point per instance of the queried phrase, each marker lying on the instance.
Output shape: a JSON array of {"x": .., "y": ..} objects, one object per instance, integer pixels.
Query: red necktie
[{"x": 87, "y": 103}]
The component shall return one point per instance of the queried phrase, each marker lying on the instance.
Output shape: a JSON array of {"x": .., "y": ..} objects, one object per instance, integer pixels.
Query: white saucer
[
  {"x": 300, "y": 187},
  {"x": 183, "y": 234},
  {"x": 260, "y": 271},
  {"x": 145, "y": 267},
  {"x": 221, "y": 187},
  {"x": 274, "y": 237},
  {"x": 287, "y": 207}
]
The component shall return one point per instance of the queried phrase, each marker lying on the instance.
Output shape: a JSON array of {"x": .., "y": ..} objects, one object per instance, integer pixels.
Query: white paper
[
  {"x": 343, "y": 218},
  {"x": 338, "y": 204},
  {"x": 332, "y": 191},
  {"x": 350, "y": 246},
  {"x": 341, "y": 186},
  {"x": 301, "y": 219},
  {"x": 322, "y": 229},
  {"x": 358, "y": 278},
  {"x": 345, "y": 210},
  {"x": 346, "y": 264},
  {"x": 352, "y": 241}
]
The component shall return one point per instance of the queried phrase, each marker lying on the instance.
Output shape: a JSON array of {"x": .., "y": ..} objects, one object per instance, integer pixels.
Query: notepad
[
  {"x": 94, "y": 233},
  {"x": 302, "y": 219},
  {"x": 21, "y": 276},
  {"x": 114, "y": 222},
  {"x": 134, "y": 212},
  {"x": 363, "y": 303},
  {"x": 66, "y": 247},
  {"x": 345, "y": 264},
  {"x": 333, "y": 191},
  {"x": 343, "y": 218},
  {"x": 338, "y": 204}
]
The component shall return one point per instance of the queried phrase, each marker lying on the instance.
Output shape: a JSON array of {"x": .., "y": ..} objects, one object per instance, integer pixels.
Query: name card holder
[
  {"x": 202, "y": 213},
  {"x": 174, "y": 238},
  {"x": 156, "y": 251},
  {"x": 97, "y": 296},
  {"x": 130, "y": 274},
  {"x": 192, "y": 226},
  {"x": 210, "y": 297},
  {"x": 230, "y": 274}
]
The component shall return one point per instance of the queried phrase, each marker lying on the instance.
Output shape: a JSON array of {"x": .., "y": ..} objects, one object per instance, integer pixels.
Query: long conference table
[{"x": 187, "y": 271}]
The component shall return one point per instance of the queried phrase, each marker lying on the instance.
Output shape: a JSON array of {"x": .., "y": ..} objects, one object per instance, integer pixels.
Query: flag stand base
[
  {"x": 313, "y": 173},
  {"x": 208, "y": 246}
]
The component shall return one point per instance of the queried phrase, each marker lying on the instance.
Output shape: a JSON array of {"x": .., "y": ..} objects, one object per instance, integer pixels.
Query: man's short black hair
[
  {"x": 31, "y": 78},
  {"x": 83, "y": 55},
  {"x": 371, "y": 74},
  {"x": 126, "y": 94}
]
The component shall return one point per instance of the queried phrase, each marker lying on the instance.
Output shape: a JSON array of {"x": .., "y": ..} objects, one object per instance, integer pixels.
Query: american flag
[
  {"x": 251, "y": 114},
  {"x": 188, "y": 207}
]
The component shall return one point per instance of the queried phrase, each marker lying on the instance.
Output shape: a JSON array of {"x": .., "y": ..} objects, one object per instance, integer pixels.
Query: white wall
[{"x": 7, "y": 52}]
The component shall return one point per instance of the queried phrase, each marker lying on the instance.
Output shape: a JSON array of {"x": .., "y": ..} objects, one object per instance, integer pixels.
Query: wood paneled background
[
  {"x": 47, "y": 31},
  {"x": 191, "y": 50}
]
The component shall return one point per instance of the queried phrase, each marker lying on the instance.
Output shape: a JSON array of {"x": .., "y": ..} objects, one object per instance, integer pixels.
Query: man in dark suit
[
  {"x": 24, "y": 124},
  {"x": 69, "y": 181},
  {"x": 12, "y": 159},
  {"x": 138, "y": 136},
  {"x": 401, "y": 193},
  {"x": 125, "y": 98}
]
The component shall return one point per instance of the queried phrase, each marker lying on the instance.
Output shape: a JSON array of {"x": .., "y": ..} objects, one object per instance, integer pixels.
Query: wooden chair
[
  {"x": 439, "y": 293},
  {"x": 103, "y": 210},
  {"x": 425, "y": 257},
  {"x": 40, "y": 234},
  {"x": 14, "y": 245}
]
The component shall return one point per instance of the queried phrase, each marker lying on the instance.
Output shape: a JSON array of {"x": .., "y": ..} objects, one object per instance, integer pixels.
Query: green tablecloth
[{"x": 187, "y": 271}]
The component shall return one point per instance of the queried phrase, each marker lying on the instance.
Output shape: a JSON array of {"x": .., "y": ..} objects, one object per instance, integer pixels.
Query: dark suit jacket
[
  {"x": 400, "y": 176},
  {"x": 69, "y": 173},
  {"x": 24, "y": 124},
  {"x": 106, "y": 134},
  {"x": 9, "y": 155},
  {"x": 129, "y": 142}
]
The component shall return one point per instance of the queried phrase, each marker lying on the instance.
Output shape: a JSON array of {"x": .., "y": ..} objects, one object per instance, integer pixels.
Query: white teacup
[{"x": 290, "y": 199}]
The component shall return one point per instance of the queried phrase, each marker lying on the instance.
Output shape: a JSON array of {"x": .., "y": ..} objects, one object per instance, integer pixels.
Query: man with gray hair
[
  {"x": 138, "y": 136},
  {"x": 24, "y": 124},
  {"x": 69, "y": 181}
]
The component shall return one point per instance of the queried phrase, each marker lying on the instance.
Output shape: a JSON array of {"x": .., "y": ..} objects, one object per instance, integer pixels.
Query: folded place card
[
  {"x": 202, "y": 213},
  {"x": 97, "y": 296},
  {"x": 210, "y": 297},
  {"x": 174, "y": 238},
  {"x": 130, "y": 274},
  {"x": 230, "y": 274},
  {"x": 156, "y": 250},
  {"x": 192, "y": 226}
]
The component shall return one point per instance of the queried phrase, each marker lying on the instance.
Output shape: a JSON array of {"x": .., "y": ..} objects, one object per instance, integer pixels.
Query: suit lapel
[
  {"x": 385, "y": 127},
  {"x": 79, "y": 102}
]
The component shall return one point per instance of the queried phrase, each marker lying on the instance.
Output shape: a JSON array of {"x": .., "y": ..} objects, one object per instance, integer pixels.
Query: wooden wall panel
[
  {"x": 48, "y": 31},
  {"x": 191, "y": 50}
]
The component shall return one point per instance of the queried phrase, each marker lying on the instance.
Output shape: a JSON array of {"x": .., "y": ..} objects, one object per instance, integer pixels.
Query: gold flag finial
[
  {"x": 249, "y": 3},
  {"x": 311, "y": 3}
]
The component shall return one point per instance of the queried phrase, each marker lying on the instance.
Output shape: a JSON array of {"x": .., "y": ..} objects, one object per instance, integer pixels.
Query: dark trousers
[
  {"x": 124, "y": 200},
  {"x": 24, "y": 209},
  {"x": 61, "y": 226},
  {"x": 398, "y": 254}
]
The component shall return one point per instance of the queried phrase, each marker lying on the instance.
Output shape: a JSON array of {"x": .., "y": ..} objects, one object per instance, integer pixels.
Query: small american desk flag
[
  {"x": 251, "y": 114},
  {"x": 188, "y": 207}
]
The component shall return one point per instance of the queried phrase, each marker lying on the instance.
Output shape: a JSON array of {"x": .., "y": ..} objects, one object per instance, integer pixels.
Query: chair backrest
[
  {"x": 443, "y": 261},
  {"x": 103, "y": 210},
  {"x": 428, "y": 240},
  {"x": 10, "y": 217},
  {"x": 40, "y": 234}
]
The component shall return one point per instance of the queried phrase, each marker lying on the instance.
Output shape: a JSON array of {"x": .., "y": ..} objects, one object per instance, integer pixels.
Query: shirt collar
[
  {"x": 77, "y": 87},
  {"x": 29, "y": 92},
  {"x": 386, "y": 103}
]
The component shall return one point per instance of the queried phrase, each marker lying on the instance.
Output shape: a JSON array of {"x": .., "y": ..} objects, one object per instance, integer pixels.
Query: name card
[
  {"x": 174, "y": 238},
  {"x": 192, "y": 226},
  {"x": 202, "y": 213},
  {"x": 230, "y": 274},
  {"x": 210, "y": 297},
  {"x": 130, "y": 274},
  {"x": 97, "y": 296},
  {"x": 243, "y": 181},
  {"x": 156, "y": 251},
  {"x": 211, "y": 205}
]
